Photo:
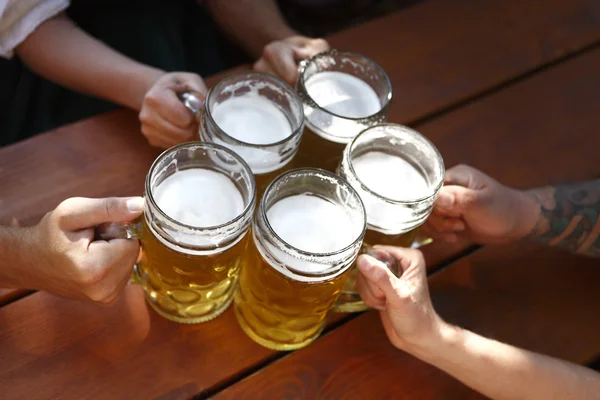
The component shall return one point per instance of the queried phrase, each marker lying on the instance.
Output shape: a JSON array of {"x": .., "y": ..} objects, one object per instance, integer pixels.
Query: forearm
[
  {"x": 15, "y": 253},
  {"x": 569, "y": 217},
  {"x": 251, "y": 23},
  {"x": 500, "y": 371},
  {"x": 61, "y": 52}
]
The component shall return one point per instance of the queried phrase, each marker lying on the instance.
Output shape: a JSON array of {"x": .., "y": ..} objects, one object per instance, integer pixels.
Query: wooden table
[{"x": 512, "y": 88}]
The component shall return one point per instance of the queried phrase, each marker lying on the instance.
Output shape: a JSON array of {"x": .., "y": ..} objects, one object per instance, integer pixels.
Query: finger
[
  {"x": 80, "y": 213},
  {"x": 117, "y": 256},
  {"x": 310, "y": 48},
  {"x": 158, "y": 139},
  {"x": 154, "y": 124},
  {"x": 263, "y": 66},
  {"x": 454, "y": 201},
  {"x": 367, "y": 294},
  {"x": 409, "y": 260},
  {"x": 460, "y": 175},
  {"x": 378, "y": 275},
  {"x": 442, "y": 224},
  {"x": 280, "y": 56}
]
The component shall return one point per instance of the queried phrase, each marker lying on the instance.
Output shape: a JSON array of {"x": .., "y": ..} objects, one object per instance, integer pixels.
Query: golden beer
[
  {"x": 259, "y": 117},
  {"x": 343, "y": 93},
  {"x": 188, "y": 288},
  {"x": 306, "y": 234},
  {"x": 398, "y": 174},
  {"x": 199, "y": 204}
]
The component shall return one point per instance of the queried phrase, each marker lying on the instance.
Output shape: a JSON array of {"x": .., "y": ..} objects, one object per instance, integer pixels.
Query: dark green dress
[{"x": 174, "y": 35}]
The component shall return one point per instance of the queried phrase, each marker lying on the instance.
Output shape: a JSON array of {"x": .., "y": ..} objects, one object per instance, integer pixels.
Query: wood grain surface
[{"x": 541, "y": 299}]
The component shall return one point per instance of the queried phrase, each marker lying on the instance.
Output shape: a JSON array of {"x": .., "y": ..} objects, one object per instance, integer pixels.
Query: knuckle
[
  {"x": 270, "y": 50},
  {"x": 111, "y": 207}
]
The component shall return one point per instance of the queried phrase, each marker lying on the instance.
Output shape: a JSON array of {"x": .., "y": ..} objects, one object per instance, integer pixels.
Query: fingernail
[
  {"x": 445, "y": 201},
  {"x": 135, "y": 204},
  {"x": 365, "y": 263}
]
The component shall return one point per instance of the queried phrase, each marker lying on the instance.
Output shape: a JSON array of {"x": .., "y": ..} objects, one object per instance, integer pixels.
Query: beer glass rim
[
  {"x": 295, "y": 132},
  {"x": 350, "y": 147},
  {"x": 214, "y": 146},
  {"x": 339, "y": 180},
  {"x": 334, "y": 52}
]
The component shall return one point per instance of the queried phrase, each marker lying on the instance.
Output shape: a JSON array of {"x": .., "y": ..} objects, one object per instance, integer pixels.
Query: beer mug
[
  {"x": 398, "y": 174},
  {"x": 307, "y": 232},
  {"x": 199, "y": 201},
  {"x": 343, "y": 93},
  {"x": 258, "y": 116}
]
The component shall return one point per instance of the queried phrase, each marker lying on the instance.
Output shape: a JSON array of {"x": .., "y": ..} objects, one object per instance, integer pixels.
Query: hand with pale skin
[
  {"x": 165, "y": 120},
  {"x": 473, "y": 206},
  {"x": 60, "y": 255},
  {"x": 403, "y": 303},
  {"x": 497, "y": 370},
  {"x": 281, "y": 57}
]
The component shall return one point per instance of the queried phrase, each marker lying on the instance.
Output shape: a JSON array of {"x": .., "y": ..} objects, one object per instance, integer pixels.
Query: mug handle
[
  {"x": 193, "y": 102},
  {"x": 349, "y": 300},
  {"x": 122, "y": 230}
]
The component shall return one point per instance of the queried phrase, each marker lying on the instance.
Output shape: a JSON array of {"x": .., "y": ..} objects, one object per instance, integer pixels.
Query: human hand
[
  {"x": 473, "y": 206},
  {"x": 281, "y": 56},
  {"x": 404, "y": 303},
  {"x": 64, "y": 259},
  {"x": 165, "y": 120}
]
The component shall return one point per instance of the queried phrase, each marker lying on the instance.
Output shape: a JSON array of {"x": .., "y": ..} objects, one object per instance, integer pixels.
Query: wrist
[
  {"x": 430, "y": 347},
  {"x": 527, "y": 214},
  {"x": 140, "y": 79}
]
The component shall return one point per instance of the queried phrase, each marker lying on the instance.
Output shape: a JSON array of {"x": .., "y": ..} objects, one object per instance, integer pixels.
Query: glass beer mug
[
  {"x": 259, "y": 117},
  {"x": 343, "y": 93},
  {"x": 398, "y": 174},
  {"x": 307, "y": 232},
  {"x": 199, "y": 201}
]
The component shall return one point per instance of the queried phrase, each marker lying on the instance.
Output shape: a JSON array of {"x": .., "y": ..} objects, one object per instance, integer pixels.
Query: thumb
[
  {"x": 378, "y": 275},
  {"x": 454, "y": 201},
  {"x": 80, "y": 213}
]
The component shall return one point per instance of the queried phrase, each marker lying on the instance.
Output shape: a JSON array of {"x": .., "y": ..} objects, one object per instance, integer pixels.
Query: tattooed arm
[
  {"x": 569, "y": 217},
  {"x": 476, "y": 207}
]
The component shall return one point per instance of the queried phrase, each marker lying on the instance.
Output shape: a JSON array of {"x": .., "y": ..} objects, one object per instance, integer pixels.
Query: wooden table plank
[
  {"x": 439, "y": 53},
  {"x": 519, "y": 294},
  {"x": 115, "y": 164},
  {"x": 433, "y": 61}
]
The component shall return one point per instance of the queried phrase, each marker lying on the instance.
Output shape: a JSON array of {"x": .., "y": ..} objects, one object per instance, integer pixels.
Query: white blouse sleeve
[{"x": 19, "y": 18}]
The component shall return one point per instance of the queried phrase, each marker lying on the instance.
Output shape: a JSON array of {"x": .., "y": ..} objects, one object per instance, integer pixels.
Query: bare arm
[
  {"x": 15, "y": 250},
  {"x": 500, "y": 371},
  {"x": 569, "y": 217},
  {"x": 61, "y": 52},
  {"x": 251, "y": 23},
  {"x": 497, "y": 370}
]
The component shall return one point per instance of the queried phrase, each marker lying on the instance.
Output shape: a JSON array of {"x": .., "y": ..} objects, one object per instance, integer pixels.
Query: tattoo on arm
[{"x": 570, "y": 217}]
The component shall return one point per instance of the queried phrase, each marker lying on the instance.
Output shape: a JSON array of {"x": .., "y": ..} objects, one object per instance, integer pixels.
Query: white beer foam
[
  {"x": 390, "y": 176},
  {"x": 199, "y": 197},
  {"x": 252, "y": 118},
  {"x": 394, "y": 178},
  {"x": 313, "y": 225},
  {"x": 343, "y": 94}
]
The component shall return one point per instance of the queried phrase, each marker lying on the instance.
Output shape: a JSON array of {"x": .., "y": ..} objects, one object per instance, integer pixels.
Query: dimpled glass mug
[
  {"x": 398, "y": 174},
  {"x": 343, "y": 93},
  {"x": 199, "y": 201},
  {"x": 307, "y": 232},
  {"x": 258, "y": 116}
]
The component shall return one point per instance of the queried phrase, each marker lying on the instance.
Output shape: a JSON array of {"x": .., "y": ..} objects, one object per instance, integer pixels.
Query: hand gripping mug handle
[
  {"x": 122, "y": 230},
  {"x": 193, "y": 102}
]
